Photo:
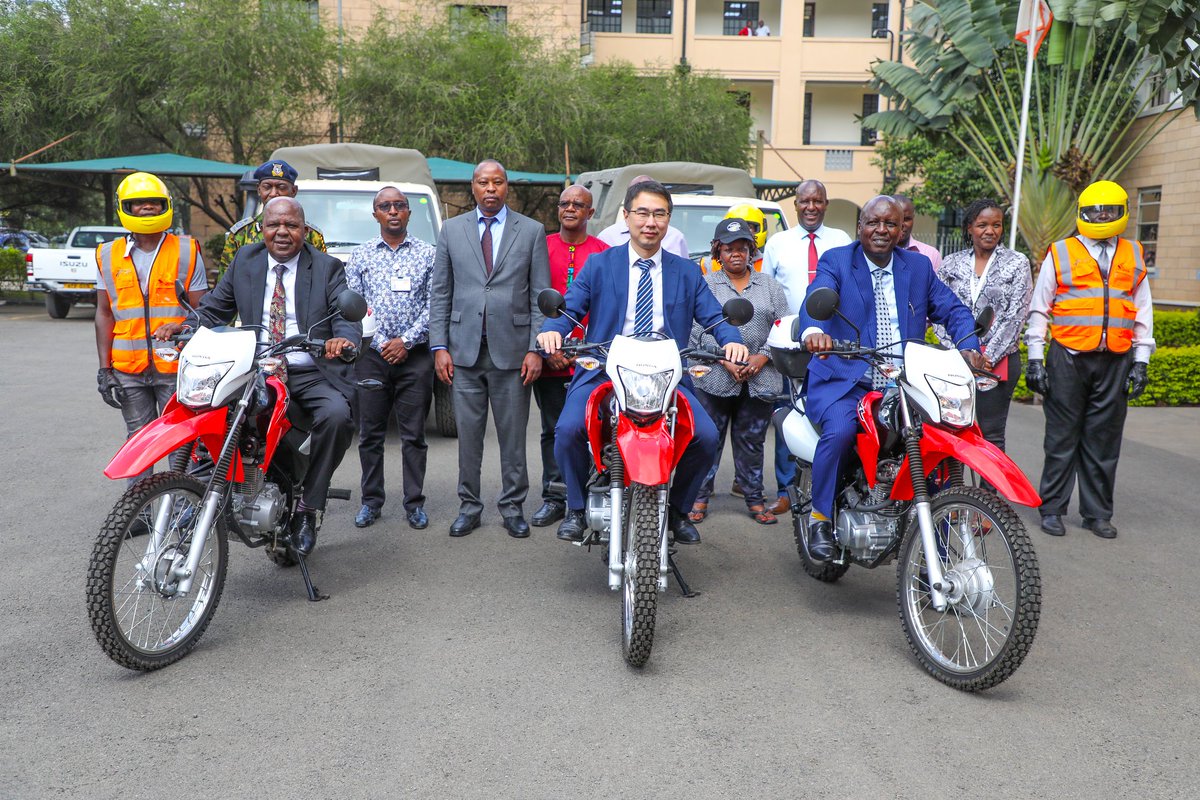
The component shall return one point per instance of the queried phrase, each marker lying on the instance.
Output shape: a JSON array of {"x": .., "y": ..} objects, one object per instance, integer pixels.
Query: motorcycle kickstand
[
  {"x": 684, "y": 589},
  {"x": 313, "y": 595}
]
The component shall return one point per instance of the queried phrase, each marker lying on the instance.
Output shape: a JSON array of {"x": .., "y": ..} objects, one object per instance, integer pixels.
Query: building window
[
  {"x": 461, "y": 16},
  {"x": 604, "y": 16},
  {"x": 879, "y": 20},
  {"x": 654, "y": 16},
  {"x": 810, "y": 19},
  {"x": 1149, "y": 201},
  {"x": 808, "y": 111},
  {"x": 739, "y": 16},
  {"x": 870, "y": 106}
]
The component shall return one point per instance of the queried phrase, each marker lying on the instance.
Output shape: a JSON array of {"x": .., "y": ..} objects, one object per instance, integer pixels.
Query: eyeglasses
[
  {"x": 644, "y": 214},
  {"x": 572, "y": 204},
  {"x": 398, "y": 205}
]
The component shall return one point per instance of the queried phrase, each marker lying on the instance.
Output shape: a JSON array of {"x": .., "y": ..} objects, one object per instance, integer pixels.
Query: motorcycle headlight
[
  {"x": 645, "y": 393},
  {"x": 955, "y": 401},
  {"x": 197, "y": 383}
]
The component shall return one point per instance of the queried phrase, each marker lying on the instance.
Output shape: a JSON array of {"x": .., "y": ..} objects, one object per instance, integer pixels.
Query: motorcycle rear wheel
[
  {"x": 137, "y": 620},
  {"x": 639, "y": 582},
  {"x": 824, "y": 571},
  {"x": 980, "y": 640}
]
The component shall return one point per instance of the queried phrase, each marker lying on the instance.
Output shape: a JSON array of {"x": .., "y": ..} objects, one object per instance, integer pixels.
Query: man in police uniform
[
  {"x": 1093, "y": 294},
  {"x": 275, "y": 179}
]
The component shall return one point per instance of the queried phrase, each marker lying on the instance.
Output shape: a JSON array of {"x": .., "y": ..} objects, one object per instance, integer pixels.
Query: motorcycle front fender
[
  {"x": 648, "y": 453},
  {"x": 969, "y": 447},
  {"x": 177, "y": 426}
]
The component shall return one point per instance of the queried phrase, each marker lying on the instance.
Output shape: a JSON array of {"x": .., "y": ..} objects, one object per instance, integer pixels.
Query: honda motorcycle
[
  {"x": 238, "y": 457},
  {"x": 968, "y": 584},
  {"x": 638, "y": 427}
]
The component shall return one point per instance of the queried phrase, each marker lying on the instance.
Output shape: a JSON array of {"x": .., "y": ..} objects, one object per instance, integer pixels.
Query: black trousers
[
  {"x": 746, "y": 419},
  {"x": 332, "y": 430},
  {"x": 991, "y": 407},
  {"x": 406, "y": 392},
  {"x": 1085, "y": 420},
  {"x": 551, "y": 395}
]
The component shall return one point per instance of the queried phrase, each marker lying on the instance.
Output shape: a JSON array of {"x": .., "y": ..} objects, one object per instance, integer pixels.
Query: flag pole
[{"x": 1035, "y": 23}]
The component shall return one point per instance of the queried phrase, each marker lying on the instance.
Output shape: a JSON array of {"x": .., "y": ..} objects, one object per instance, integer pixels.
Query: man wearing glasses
[
  {"x": 608, "y": 291},
  {"x": 673, "y": 240},
  {"x": 393, "y": 271}
]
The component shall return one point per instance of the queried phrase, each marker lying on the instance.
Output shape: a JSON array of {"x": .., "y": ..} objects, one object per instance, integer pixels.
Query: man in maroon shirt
[{"x": 569, "y": 249}]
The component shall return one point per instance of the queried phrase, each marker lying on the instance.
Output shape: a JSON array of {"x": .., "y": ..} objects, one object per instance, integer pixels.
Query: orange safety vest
[
  {"x": 136, "y": 316},
  {"x": 1087, "y": 307}
]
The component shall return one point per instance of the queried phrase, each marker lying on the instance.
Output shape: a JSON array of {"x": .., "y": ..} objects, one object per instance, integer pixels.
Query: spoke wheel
[
  {"x": 991, "y": 615},
  {"x": 140, "y": 619},
  {"x": 826, "y": 572},
  {"x": 639, "y": 581}
]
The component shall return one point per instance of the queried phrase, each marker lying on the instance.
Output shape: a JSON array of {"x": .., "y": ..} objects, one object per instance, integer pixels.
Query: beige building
[{"x": 804, "y": 83}]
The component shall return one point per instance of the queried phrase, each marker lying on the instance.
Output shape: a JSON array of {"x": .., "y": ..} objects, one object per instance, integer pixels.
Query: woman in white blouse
[{"x": 989, "y": 274}]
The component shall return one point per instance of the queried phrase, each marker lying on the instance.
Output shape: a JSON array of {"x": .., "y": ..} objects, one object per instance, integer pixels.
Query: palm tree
[{"x": 1104, "y": 64}]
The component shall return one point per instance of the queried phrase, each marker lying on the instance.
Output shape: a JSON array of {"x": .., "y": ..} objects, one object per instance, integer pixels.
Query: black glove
[
  {"x": 110, "y": 390},
  {"x": 1138, "y": 380},
  {"x": 1036, "y": 378}
]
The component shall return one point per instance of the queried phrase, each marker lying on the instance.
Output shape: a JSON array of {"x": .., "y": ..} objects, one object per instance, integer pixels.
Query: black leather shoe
[
  {"x": 418, "y": 519},
  {"x": 464, "y": 524},
  {"x": 821, "y": 544},
  {"x": 1101, "y": 527},
  {"x": 573, "y": 527},
  {"x": 366, "y": 517},
  {"x": 1053, "y": 525},
  {"x": 550, "y": 512},
  {"x": 685, "y": 532},
  {"x": 516, "y": 526},
  {"x": 304, "y": 532}
]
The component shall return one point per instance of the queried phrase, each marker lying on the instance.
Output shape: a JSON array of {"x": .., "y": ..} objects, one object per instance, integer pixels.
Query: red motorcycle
[{"x": 238, "y": 457}]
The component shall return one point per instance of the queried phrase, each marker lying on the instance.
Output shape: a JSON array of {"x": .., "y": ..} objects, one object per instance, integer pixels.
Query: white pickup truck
[{"x": 68, "y": 274}]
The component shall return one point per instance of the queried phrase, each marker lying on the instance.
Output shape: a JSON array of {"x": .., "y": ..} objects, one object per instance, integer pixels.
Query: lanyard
[{"x": 570, "y": 264}]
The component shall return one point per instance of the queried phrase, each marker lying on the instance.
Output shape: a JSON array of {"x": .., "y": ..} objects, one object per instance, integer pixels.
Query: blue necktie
[
  {"x": 643, "y": 311},
  {"x": 883, "y": 324}
]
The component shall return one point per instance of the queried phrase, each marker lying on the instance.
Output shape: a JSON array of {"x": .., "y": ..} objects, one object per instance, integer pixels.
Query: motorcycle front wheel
[
  {"x": 639, "y": 582},
  {"x": 140, "y": 619},
  {"x": 988, "y": 625}
]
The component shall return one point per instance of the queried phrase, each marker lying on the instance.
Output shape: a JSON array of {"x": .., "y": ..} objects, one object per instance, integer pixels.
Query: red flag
[{"x": 1034, "y": 18}]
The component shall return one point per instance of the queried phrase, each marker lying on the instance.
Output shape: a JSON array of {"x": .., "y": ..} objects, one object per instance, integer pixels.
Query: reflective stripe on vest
[
  {"x": 135, "y": 316},
  {"x": 1090, "y": 308}
]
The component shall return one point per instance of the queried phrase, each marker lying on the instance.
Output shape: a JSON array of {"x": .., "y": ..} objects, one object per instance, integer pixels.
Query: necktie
[
  {"x": 1104, "y": 261},
  {"x": 883, "y": 324},
  {"x": 277, "y": 321},
  {"x": 486, "y": 243},
  {"x": 812, "y": 257},
  {"x": 643, "y": 310}
]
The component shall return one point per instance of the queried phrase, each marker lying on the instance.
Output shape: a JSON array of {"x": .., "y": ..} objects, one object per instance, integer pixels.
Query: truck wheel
[
  {"x": 443, "y": 410},
  {"x": 57, "y": 306}
]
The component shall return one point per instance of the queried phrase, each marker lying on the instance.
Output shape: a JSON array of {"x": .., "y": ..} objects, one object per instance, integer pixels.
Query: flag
[{"x": 1034, "y": 18}]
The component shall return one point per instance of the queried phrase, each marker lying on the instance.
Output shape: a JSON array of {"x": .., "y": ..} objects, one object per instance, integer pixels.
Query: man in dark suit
[
  {"x": 607, "y": 290},
  {"x": 910, "y": 295},
  {"x": 483, "y": 318},
  {"x": 285, "y": 279}
]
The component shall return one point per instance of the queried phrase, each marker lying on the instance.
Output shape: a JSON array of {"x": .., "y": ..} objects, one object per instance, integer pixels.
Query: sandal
[
  {"x": 762, "y": 515},
  {"x": 698, "y": 513}
]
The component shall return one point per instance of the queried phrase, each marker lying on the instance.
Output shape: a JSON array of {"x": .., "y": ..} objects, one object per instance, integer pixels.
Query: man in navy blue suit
[
  {"x": 912, "y": 296},
  {"x": 673, "y": 295}
]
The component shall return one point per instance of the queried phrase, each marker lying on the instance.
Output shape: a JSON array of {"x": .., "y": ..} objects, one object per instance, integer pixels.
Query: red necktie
[
  {"x": 486, "y": 243},
  {"x": 812, "y": 257}
]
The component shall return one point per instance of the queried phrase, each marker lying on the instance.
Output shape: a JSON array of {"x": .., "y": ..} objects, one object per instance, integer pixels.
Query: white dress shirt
[
  {"x": 497, "y": 230},
  {"x": 1043, "y": 299},
  {"x": 785, "y": 258},
  {"x": 290, "y": 327},
  {"x": 635, "y": 275},
  {"x": 673, "y": 241}
]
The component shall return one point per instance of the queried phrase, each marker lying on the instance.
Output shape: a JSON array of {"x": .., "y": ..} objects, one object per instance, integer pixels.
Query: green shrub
[
  {"x": 12, "y": 267},
  {"x": 1177, "y": 328},
  {"x": 1174, "y": 379}
]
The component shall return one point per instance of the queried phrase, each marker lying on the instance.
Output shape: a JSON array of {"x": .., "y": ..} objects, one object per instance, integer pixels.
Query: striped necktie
[
  {"x": 883, "y": 325},
  {"x": 643, "y": 313}
]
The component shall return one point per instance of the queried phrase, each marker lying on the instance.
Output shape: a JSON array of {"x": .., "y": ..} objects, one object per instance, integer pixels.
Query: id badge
[{"x": 401, "y": 284}]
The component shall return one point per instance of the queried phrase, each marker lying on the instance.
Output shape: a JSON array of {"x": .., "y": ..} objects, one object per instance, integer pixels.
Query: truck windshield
[
  {"x": 699, "y": 222},
  {"x": 93, "y": 238},
  {"x": 344, "y": 217}
]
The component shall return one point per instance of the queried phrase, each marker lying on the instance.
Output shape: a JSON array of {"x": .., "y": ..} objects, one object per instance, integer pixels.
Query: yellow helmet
[
  {"x": 1107, "y": 201},
  {"x": 753, "y": 215},
  {"x": 143, "y": 186}
]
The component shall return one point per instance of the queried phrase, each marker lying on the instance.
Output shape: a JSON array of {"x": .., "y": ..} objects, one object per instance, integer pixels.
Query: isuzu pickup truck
[{"x": 68, "y": 274}]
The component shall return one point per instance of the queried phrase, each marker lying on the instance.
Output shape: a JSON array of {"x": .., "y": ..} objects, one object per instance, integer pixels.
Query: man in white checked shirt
[{"x": 635, "y": 289}]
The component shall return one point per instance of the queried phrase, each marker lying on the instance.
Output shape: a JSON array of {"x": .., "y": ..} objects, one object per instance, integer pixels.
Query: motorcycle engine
[
  {"x": 866, "y": 534},
  {"x": 258, "y": 506},
  {"x": 599, "y": 510}
]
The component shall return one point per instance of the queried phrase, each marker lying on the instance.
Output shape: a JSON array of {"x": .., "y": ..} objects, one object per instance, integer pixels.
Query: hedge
[
  {"x": 12, "y": 267},
  {"x": 1177, "y": 328}
]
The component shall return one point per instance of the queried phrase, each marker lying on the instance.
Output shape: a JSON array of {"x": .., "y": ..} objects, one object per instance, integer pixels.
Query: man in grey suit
[
  {"x": 483, "y": 323},
  {"x": 302, "y": 284}
]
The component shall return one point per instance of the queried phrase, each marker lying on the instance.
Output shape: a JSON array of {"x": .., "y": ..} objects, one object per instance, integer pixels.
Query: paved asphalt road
[{"x": 488, "y": 667}]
